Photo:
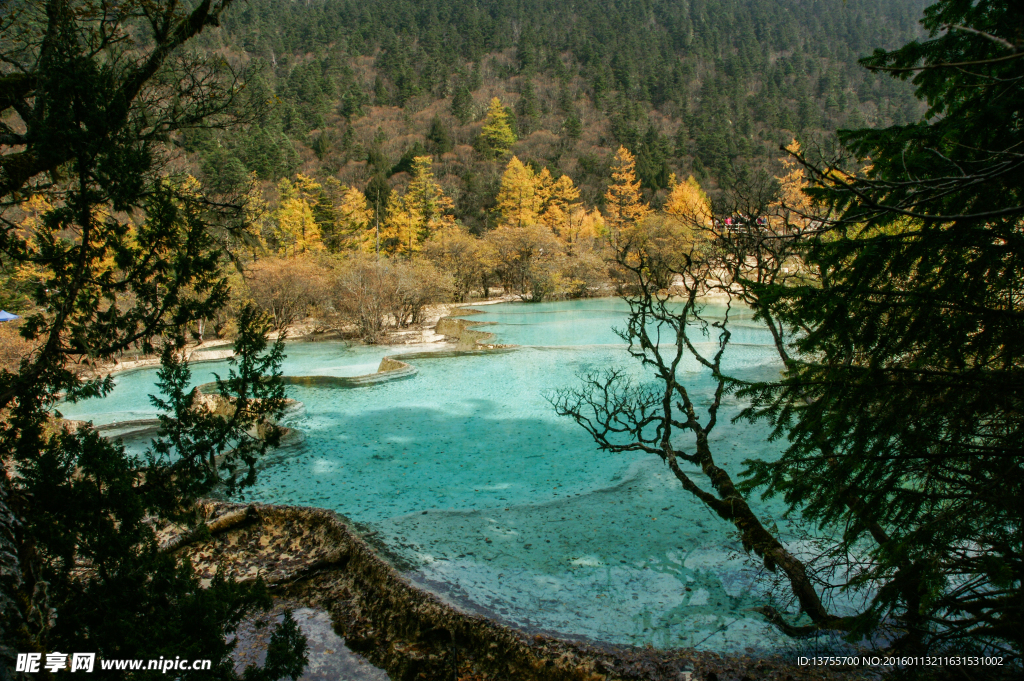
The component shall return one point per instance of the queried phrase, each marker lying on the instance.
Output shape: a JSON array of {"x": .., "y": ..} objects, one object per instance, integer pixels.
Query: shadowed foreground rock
[{"x": 314, "y": 557}]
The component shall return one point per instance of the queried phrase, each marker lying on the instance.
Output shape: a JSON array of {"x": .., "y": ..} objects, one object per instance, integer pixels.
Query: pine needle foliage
[
  {"x": 906, "y": 390},
  {"x": 126, "y": 256}
]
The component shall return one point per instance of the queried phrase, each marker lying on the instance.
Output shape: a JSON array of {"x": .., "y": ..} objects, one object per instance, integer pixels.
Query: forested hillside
[{"x": 706, "y": 87}]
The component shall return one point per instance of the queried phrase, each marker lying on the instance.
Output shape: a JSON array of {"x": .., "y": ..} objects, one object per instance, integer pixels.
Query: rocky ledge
[{"x": 316, "y": 558}]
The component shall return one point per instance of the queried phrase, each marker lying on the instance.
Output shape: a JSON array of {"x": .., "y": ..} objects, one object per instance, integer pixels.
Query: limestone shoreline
[
  {"x": 444, "y": 326},
  {"x": 316, "y": 558}
]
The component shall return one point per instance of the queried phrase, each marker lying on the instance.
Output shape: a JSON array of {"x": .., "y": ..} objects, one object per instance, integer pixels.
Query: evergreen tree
[
  {"x": 439, "y": 137},
  {"x": 573, "y": 126},
  {"x": 378, "y": 196},
  {"x": 353, "y": 98},
  {"x": 343, "y": 216},
  {"x": 322, "y": 144},
  {"x": 462, "y": 104},
  {"x": 903, "y": 409},
  {"x": 527, "y": 109},
  {"x": 497, "y": 136},
  {"x": 128, "y": 255}
]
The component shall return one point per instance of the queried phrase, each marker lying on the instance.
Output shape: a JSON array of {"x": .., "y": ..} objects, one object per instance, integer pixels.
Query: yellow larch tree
[
  {"x": 297, "y": 231},
  {"x": 427, "y": 199},
  {"x": 519, "y": 201},
  {"x": 582, "y": 229},
  {"x": 343, "y": 214},
  {"x": 624, "y": 204},
  {"x": 354, "y": 216},
  {"x": 497, "y": 135},
  {"x": 18, "y": 281},
  {"x": 794, "y": 206},
  {"x": 688, "y": 203},
  {"x": 561, "y": 207},
  {"x": 423, "y": 210},
  {"x": 526, "y": 198},
  {"x": 307, "y": 188},
  {"x": 259, "y": 223},
  {"x": 398, "y": 235}
]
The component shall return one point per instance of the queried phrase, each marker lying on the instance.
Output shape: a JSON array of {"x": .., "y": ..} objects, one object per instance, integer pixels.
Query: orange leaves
[
  {"x": 624, "y": 205},
  {"x": 528, "y": 198}
]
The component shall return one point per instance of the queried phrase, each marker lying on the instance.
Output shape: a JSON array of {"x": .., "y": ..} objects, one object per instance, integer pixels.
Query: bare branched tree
[{"x": 673, "y": 265}]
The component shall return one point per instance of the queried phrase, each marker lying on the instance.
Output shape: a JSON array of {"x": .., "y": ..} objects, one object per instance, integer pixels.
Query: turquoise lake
[{"x": 486, "y": 497}]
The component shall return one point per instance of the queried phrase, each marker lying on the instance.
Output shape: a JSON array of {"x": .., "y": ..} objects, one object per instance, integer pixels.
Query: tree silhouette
[{"x": 128, "y": 256}]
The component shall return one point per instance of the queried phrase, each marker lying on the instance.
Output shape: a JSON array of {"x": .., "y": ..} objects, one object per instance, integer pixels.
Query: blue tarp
[{"x": 7, "y": 316}]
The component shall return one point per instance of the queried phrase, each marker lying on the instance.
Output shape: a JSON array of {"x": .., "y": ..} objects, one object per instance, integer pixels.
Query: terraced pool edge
[
  {"x": 468, "y": 341},
  {"x": 316, "y": 557}
]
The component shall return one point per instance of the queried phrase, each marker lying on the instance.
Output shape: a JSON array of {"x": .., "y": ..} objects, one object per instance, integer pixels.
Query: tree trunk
[{"x": 11, "y": 616}]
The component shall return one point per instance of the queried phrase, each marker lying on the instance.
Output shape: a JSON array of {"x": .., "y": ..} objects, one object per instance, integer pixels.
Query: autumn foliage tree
[
  {"x": 624, "y": 204},
  {"x": 521, "y": 196},
  {"x": 465, "y": 257},
  {"x": 689, "y": 203},
  {"x": 413, "y": 217},
  {"x": 296, "y": 229},
  {"x": 288, "y": 289}
]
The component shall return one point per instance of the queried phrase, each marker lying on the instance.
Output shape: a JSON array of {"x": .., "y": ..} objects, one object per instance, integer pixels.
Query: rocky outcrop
[
  {"x": 389, "y": 364},
  {"x": 212, "y": 403},
  {"x": 465, "y": 337}
]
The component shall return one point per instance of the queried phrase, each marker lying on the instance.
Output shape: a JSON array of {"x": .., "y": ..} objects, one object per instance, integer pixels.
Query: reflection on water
[{"x": 465, "y": 473}]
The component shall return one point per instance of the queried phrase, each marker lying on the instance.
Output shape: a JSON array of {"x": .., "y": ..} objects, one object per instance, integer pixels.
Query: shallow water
[{"x": 487, "y": 497}]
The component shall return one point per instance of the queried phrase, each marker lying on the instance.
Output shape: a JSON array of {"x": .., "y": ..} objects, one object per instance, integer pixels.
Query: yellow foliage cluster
[
  {"x": 546, "y": 242},
  {"x": 314, "y": 216},
  {"x": 688, "y": 203},
  {"x": 497, "y": 134},
  {"x": 793, "y": 181},
  {"x": 624, "y": 207},
  {"x": 424, "y": 210},
  {"x": 527, "y": 198}
]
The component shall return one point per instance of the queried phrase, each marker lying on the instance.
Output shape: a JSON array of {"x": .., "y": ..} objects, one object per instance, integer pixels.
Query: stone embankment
[{"x": 315, "y": 557}]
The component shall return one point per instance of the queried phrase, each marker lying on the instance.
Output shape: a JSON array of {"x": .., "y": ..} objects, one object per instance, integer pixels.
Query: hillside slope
[{"x": 707, "y": 87}]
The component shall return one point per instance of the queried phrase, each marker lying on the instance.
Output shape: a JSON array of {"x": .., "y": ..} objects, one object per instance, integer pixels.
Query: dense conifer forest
[{"x": 707, "y": 88}]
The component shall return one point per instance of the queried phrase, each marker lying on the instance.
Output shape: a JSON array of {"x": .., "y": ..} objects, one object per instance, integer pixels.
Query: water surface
[{"x": 485, "y": 496}]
